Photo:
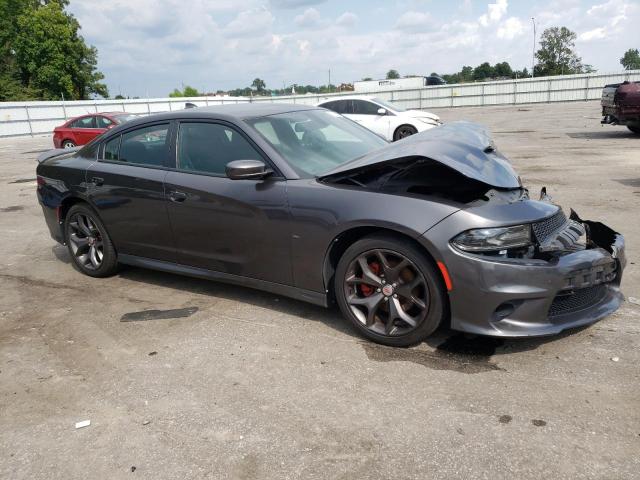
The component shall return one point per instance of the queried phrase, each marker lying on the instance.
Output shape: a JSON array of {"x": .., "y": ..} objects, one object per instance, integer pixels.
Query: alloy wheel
[
  {"x": 386, "y": 292},
  {"x": 405, "y": 131},
  {"x": 86, "y": 241}
]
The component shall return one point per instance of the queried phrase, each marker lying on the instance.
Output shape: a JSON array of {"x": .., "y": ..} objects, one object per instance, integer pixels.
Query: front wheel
[
  {"x": 634, "y": 128},
  {"x": 389, "y": 291},
  {"x": 88, "y": 242},
  {"x": 404, "y": 131}
]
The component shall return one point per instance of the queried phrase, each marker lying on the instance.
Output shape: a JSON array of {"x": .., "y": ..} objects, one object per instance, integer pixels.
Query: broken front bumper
[{"x": 530, "y": 297}]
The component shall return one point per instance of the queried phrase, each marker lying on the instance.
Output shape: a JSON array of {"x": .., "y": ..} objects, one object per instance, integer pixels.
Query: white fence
[{"x": 31, "y": 118}]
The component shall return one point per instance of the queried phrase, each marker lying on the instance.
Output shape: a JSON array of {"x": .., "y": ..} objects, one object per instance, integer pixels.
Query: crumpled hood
[
  {"x": 421, "y": 114},
  {"x": 463, "y": 146}
]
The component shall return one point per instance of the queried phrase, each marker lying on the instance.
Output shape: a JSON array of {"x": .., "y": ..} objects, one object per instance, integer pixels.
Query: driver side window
[
  {"x": 365, "y": 108},
  {"x": 209, "y": 147}
]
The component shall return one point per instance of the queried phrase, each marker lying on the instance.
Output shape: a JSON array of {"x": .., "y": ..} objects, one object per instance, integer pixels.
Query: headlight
[{"x": 491, "y": 239}]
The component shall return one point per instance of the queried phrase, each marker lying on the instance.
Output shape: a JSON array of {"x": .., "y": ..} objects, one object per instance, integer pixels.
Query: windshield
[
  {"x": 390, "y": 106},
  {"x": 124, "y": 117},
  {"x": 316, "y": 141}
]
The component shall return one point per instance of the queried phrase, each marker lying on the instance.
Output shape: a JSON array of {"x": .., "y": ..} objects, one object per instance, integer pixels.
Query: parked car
[
  {"x": 388, "y": 120},
  {"x": 300, "y": 201},
  {"x": 621, "y": 105},
  {"x": 435, "y": 80},
  {"x": 81, "y": 130}
]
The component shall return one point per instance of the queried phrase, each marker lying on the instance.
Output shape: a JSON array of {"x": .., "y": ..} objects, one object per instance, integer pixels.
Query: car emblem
[{"x": 387, "y": 290}]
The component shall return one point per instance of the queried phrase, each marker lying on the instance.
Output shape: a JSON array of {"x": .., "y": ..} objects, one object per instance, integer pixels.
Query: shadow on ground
[{"x": 445, "y": 350}]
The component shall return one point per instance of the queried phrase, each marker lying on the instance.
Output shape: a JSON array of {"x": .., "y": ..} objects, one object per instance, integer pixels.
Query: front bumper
[{"x": 533, "y": 297}]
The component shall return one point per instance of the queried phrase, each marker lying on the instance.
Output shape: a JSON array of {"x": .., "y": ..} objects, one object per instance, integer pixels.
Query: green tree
[
  {"x": 503, "y": 69},
  {"x": 483, "y": 71},
  {"x": 466, "y": 74},
  {"x": 631, "y": 59},
  {"x": 51, "y": 58},
  {"x": 392, "y": 74},
  {"x": 259, "y": 85},
  {"x": 367, "y": 79},
  {"x": 556, "y": 55}
]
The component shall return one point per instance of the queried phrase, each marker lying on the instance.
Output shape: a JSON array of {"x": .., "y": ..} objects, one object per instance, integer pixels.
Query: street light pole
[{"x": 533, "y": 54}]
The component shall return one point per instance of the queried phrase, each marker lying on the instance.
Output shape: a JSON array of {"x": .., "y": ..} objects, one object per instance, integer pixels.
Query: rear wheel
[
  {"x": 88, "y": 242},
  {"x": 68, "y": 144},
  {"x": 389, "y": 290},
  {"x": 404, "y": 131},
  {"x": 634, "y": 128}
]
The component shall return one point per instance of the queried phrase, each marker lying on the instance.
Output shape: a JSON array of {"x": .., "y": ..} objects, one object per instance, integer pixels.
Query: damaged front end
[{"x": 518, "y": 266}]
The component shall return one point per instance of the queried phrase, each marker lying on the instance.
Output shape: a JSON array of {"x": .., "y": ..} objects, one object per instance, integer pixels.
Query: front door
[
  {"x": 126, "y": 185},
  {"x": 239, "y": 227},
  {"x": 366, "y": 114}
]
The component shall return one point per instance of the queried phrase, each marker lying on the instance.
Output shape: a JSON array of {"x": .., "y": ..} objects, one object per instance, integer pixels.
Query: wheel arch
[{"x": 348, "y": 237}]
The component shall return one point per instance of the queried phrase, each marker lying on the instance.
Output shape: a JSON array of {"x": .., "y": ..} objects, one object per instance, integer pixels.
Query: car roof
[
  {"x": 349, "y": 97},
  {"x": 230, "y": 112}
]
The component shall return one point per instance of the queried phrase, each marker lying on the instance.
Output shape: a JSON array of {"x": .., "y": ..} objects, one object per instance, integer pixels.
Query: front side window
[
  {"x": 314, "y": 142},
  {"x": 144, "y": 146},
  {"x": 209, "y": 147},
  {"x": 361, "y": 107},
  {"x": 84, "y": 122},
  {"x": 104, "y": 122}
]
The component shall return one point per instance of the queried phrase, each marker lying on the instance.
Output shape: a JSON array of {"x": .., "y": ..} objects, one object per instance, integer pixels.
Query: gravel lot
[{"x": 243, "y": 384}]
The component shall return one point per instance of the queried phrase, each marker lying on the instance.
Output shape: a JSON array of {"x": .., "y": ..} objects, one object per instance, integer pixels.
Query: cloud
[
  {"x": 495, "y": 11},
  {"x": 414, "y": 21},
  {"x": 295, "y": 3},
  {"x": 595, "y": 34},
  {"x": 510, "y": 29},
  {"x": 250, "y": 23},
  {"x": 347, "y": 19},
  {"x": 309, "y": 19}
]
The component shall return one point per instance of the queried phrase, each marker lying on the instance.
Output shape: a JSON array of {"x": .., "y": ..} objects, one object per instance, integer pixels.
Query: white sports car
[{"x": 387, "y": 120}]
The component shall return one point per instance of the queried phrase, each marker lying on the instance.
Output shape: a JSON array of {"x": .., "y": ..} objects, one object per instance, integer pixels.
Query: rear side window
[
  {"x": 85, "y": 122},
  {"x": 147, "y": 146},
  {"x": 208, "y": 147}
]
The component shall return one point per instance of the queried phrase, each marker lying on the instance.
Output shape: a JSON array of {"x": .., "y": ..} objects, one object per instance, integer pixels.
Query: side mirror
[
  {"x": 382, "y": 111},
  {"x": 246, "y": 170}
]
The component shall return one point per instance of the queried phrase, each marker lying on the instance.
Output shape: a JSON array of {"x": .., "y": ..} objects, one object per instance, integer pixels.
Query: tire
[
  {"x": 88, "y": 242},
  {"x": 634, "y": 128},
  {"x": 404, "y": 131},
  {"x": 369, "y": 302},
  {"x": 68, "y": 144}
]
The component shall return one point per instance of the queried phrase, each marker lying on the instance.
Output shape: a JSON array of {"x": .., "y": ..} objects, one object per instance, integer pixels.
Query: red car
[{"x": 81, "y": 130}]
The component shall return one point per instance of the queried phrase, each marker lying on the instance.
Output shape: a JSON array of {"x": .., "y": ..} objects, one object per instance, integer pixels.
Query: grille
[
  {"x": 547, "y": 227},
  {"x": 578, "y": 300}
]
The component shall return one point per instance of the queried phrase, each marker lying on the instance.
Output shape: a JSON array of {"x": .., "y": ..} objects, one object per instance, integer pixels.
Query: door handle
[
  {"x": 97, "y": 181},
  {"x": 177, "y": 197}
]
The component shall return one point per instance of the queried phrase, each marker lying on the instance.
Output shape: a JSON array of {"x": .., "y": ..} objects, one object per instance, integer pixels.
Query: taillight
[{"x": 40, "y": 181}]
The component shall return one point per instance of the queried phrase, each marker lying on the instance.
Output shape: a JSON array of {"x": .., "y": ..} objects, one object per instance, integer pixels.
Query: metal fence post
[
  {"x": 515, "y": 92},
  {"x": 148, "y": 107},
  {"x": 549, "y": 92},
  {"x": 586, "y": 89},
  {"x": 26, "y": 109},
  {"x": 482, "y": 95}
]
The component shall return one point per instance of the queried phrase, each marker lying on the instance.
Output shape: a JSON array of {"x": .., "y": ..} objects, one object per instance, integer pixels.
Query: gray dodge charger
[{"x": 434, "y": 229}]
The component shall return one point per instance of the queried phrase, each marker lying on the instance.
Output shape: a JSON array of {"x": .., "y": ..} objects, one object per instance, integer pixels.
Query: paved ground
[{"x": 250, "y": 385}]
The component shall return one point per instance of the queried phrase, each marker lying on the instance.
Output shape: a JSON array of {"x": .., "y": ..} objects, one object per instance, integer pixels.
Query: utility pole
[
  {"x": 533, "y": 54},
  {"x": 329, "y": 86}
]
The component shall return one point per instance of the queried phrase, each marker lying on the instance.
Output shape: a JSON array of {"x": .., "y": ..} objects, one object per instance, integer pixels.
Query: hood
[
  {"x": 463, "y": 146},
  {"x": 421, "y": 114}
]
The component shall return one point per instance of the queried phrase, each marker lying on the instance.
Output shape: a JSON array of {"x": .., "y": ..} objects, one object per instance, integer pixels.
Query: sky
[{"x": 147, "y": 48}]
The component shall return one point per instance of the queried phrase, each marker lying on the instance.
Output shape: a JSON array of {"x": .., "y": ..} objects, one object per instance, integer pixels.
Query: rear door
[
  {"x": 86, "y": 129},
  {"x": 366, "y": 114},
  {"x": 238, "y": 227},
  {"x": 126, "y": 185}
]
